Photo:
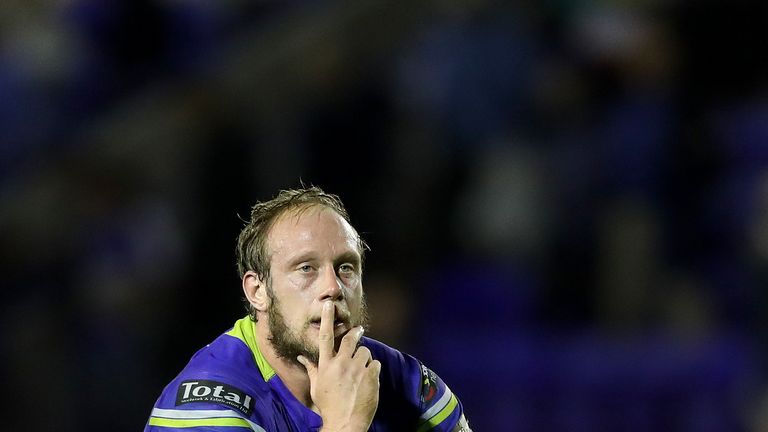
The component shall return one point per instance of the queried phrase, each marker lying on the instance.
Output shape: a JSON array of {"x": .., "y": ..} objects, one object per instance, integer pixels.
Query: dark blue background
[{"x": 567, "y": 202}]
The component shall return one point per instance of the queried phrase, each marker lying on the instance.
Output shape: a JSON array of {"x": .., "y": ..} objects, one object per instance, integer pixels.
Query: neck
[{"x": 293, "y": 375}]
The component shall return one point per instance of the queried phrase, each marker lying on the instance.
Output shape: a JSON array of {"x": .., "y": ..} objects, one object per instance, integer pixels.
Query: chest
[{"x": 394, "y": 414}]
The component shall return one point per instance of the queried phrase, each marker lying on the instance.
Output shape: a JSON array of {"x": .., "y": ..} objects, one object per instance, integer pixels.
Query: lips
[
  {"x": 336, "y": 323},
  {"x": 341, "y": 325},
  {"x": 341, "y": 317}
]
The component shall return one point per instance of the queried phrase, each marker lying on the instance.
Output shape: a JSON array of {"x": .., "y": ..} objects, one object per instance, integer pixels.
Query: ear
[{"x": 255, "y": 290}]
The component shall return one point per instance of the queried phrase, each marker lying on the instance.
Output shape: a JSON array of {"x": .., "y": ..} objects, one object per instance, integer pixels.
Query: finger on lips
[{"x": 325, "y": 336}]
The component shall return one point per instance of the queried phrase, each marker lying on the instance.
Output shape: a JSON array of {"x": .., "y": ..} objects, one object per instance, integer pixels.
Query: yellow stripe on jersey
[
  {"x": 440, "y": 416},
  {"x": 190, "y": 423},
  {"x": 192, "y": 418},
  {"x": 245, "y": 331}
]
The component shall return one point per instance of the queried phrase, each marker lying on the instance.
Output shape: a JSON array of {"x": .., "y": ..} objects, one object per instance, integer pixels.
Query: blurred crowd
[{"x": 567, "y": 202}]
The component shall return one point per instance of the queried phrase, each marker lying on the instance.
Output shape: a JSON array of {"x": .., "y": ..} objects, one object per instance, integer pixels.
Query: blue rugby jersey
[{"x": 229, "y": 386}]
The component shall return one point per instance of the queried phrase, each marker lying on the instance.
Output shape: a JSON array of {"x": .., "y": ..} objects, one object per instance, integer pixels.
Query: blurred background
[{"x": 567, "y": 202}]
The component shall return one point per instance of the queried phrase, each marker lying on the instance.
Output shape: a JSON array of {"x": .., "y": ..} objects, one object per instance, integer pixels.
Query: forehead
[{"x": 314, "y": 228}]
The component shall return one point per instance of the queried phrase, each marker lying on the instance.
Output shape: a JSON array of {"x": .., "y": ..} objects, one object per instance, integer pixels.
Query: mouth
[
  {"x": 336, "y": 323},
  {"x": 340, "y": 326}
]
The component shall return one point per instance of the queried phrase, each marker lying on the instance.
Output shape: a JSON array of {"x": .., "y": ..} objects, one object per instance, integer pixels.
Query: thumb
[{"x": 308, "y": 365}]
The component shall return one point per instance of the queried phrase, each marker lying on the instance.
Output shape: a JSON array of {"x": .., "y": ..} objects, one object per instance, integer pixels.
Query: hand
[{"x": 345, "y": 385}]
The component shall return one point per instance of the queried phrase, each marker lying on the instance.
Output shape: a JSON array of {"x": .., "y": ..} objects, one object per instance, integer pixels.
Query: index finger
[{"x": 326, "y": 340}]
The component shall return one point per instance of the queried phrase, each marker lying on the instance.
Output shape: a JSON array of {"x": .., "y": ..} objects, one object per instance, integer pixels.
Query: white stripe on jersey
[
  {"x": 440, "y": 404},
  {"x": 202, "y": 414}
]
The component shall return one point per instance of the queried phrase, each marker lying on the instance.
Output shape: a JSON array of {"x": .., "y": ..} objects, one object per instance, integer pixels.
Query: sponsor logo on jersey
[
  {"x": 214, "y": 392},
  {"x": 428, "y": 384}
]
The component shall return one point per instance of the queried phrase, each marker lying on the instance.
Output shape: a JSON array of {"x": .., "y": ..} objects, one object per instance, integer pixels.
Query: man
[{"x": 299, "y": 361}]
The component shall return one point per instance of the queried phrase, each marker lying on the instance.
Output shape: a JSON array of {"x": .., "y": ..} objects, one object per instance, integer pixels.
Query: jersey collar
[{"x": 245, "y": 330}]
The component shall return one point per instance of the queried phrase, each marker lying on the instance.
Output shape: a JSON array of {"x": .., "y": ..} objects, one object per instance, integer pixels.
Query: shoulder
[
  {"x": 396, "y": 362},
  {"x": 398, "y": 368},
  {"x": 220, "y": 386},
  {"x": 227, "y": 354},
  {"x": 425, "y": 394},
  {"x": 385, "y": 353}
]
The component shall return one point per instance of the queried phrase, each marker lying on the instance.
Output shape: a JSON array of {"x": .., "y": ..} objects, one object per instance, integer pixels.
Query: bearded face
[
  {"x": 314, "y": 259},
  {"x": 289, "y": 342}
]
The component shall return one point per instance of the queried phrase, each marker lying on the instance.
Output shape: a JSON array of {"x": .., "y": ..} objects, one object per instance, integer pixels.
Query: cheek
[
  {"x": 352, "y": 283},
  {"x": 304, "y": 297},
  {"x": 297, "y": 282},
  {"x": 354, "y": 294},
  {"x": 296, "y": 289},
  {"x": 297, "y": 320},
  {"x": 294, "y": 305}
]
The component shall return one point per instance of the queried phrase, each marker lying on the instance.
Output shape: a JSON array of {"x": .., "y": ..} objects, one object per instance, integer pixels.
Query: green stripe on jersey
[
  {"x": 245, "y": 330},
  {"x": 440, "y": 416},
  {"x": 190, "y": 423}
]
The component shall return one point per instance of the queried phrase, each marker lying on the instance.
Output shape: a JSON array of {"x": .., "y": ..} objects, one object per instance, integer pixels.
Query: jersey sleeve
[
  {"x": 412, "y": 397},
  {"x": 197, "y": 420},
  {"x": 440, "y": 409},
  {"x": 219, "y": 390},
  {"x": 197, "y": 405}
]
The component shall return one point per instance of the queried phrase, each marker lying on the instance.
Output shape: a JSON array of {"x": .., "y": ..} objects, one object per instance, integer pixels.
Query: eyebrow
[
  {"x": 302, "y": 257},
  {"x": 348, "y": 256}
]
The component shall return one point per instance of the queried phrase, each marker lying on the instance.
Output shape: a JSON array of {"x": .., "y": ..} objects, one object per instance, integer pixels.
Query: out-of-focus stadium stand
[{"x": 567, "y": 202}]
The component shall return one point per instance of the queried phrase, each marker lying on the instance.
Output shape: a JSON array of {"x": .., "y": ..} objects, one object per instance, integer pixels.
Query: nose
[{"x": 331, "y": 286}]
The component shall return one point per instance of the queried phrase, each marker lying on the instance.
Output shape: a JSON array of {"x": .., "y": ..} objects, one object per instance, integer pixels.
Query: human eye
[
  {"x": 346, "y": 268},
  {"x": 305, "y": 268}
]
